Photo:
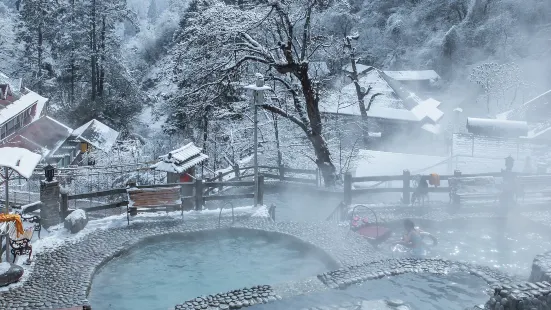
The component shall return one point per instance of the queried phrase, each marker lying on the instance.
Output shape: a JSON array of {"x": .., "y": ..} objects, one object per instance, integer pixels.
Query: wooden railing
[
  {"x": 269, "y": 172},
  {"x": 405, "y": 189},
  {"x": 192, "y": 194}
]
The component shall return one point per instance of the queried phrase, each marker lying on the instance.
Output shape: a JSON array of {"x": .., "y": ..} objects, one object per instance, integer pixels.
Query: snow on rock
[
  {"x": 4, "y": 267},
  {"x": 76, "y": 221},
  {"x": 76, "y": 215},
  {"x": 262, "y": 211}
]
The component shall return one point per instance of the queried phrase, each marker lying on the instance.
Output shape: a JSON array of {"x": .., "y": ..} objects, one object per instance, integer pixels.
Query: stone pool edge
[{"x": 62, "y": 277}]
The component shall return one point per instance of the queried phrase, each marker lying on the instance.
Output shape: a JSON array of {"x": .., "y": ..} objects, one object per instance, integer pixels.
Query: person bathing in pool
[{"x": 412, "y": 239}]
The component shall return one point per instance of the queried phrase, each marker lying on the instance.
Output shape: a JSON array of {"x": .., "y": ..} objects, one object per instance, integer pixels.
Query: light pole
[{"x": 258, "y": 99}]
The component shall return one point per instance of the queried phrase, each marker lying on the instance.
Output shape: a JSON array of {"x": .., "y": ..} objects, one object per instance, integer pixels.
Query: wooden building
[{"x": 180, "y": 164}]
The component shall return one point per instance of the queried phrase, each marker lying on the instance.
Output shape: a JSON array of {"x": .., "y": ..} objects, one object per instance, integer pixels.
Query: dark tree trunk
[
  {"x": 361, "y": 95},
  {"x": 323, "y": 156},
  {"x": 93, "y": 50},
  {"x": 276, "y": 131},
  {"x": 40, "y": 53},
  {"x": 72, "y": 91},
  {"x": 101, "y": 79}
]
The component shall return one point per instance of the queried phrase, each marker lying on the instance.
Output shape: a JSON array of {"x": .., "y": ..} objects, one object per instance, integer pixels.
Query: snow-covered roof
[
  {"x": 179, "y": 160},
  {"x": 419, "y": 75},
  {"x": 378, "y": 163},
  {"x": 428, "y": 109},
  {"x": 359, "y": 67},
  {"x": 15, "y": 84},
  {"x": 45, "y": 135},
  {"x": 345, "y": 101},
  {"x": 21, "y": 160},
  {"x": 495, "y": 127},
  {"x": 318, "y": 68},
  {"x": 392, "y": 104},
  {"x": 539, "y": 133},
  {"x": 20, "y": 105},
  {"x": 97, "y": 134},
  {"x": 539, "y": 105}
]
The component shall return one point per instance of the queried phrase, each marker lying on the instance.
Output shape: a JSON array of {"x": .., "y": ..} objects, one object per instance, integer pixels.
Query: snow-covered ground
[{"x": 58, "y": 235}]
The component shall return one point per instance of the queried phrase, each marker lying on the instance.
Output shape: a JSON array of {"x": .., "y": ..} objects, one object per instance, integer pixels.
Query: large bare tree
[{"x": 221, "y": 44}]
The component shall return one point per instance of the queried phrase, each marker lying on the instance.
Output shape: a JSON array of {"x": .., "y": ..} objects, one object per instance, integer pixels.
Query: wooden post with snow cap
[
  {"x": 348, "y": 188},
  {"x": 198, "y": 194},
  {"x": 236, "y": 172},
  {"x": 64, "y": 204},
  {"x": 406, "y": 187},
  {"x": 220, "y": 179}
]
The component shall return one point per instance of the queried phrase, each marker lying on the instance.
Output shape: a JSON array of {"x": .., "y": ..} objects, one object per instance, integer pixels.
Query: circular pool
[{"x": 166, "y": 270}]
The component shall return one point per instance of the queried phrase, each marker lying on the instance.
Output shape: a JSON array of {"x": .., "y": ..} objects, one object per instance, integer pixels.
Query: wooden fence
[
  {"x": 405, "y": 189},
  {"x": 275, "y": 173},
  {"x": 192, "y": 194}
]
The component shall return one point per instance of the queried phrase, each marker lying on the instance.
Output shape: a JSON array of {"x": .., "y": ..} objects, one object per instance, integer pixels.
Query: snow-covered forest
[{"x": 175, "y": 70}]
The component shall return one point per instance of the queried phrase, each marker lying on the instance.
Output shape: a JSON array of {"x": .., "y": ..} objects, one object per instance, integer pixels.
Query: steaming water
[
  {"x": 455, "y": 291},
  {"x": 509, "y": 244},
  {"x": 161, "y": 274}
]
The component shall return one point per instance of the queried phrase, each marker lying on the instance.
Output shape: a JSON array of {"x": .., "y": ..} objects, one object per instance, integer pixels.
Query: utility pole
[
  {"x": 258, "y": 99},
  {"x": 7, "y": 210}
]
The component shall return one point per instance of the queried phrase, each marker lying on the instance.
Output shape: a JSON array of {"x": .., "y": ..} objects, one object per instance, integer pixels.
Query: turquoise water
[
  {"x": 456, "y": 291},
  {"x": 509, "y": 244},
  {"x": 170, "y": 270}
]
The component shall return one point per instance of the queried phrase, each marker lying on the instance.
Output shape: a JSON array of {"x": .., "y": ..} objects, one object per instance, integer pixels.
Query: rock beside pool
[
  {"x": 76, "y": 221},
  {"x": 394, "y": 302},
  {"x": 236, "y": 299},
  {"x": 9, "y": 273}
]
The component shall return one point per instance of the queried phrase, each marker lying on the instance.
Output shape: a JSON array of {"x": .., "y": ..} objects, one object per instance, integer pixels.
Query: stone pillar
[{"x": 50, "y": 198}]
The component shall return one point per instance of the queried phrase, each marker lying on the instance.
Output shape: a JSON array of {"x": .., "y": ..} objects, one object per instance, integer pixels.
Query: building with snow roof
[
  {"x": 394, "y": 112},
  {"x": 537, "y": 113},
  {"x": 24, "y": 125},
  {"x": 59, "y": 144},
  {"x": 19, "y": 106},
  {"x": 415, "y": 79},
  {"x": 180, "y": 164}
]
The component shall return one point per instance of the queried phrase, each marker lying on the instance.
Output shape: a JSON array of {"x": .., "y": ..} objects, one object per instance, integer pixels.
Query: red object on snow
[{"x": 374, "y": 233}]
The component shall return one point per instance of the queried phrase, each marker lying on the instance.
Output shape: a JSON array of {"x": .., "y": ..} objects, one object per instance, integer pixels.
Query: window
[
  {"x": 18, "y": 121},
  {"x": 3, "y": 132}
]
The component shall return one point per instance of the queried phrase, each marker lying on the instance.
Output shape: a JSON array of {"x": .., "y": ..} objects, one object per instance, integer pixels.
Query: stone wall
[
  {"x": 50, "y": 196},
  {"x": 541, "y": 268},
  {"x": 521, "y": 296}
]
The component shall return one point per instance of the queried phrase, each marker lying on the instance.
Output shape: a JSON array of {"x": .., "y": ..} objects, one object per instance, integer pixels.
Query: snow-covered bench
[
  {"x": 153, "y": 200},
  {"x": 473, "y": 188}
]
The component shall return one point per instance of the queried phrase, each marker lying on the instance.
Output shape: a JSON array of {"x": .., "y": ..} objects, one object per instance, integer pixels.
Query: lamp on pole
[{"x": 258, "y": 99}]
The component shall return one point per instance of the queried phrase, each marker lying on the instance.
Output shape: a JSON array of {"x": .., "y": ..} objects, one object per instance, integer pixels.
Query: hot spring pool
[
  {"x": 423, "y": 291},
  {"x": 162, "y": 272},
  {"x": 509, "y": 244}
]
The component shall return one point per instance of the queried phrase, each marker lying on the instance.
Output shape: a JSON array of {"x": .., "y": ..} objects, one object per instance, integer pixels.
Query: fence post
[
  {"x": 457, "y": 174},
  {"x": 220, "y": 179},
  {"x": 198, "y": 194},
  {"x": 64, "y": 205},
  {"x": 236, "y": 172},
  {"x": 281, "y": 172},
  {"x": 348, "y": 188},
  {"x": 261, "y": 189},
  {"x": 317, "y": 177},
  {"x": 406, "y": 189}
]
